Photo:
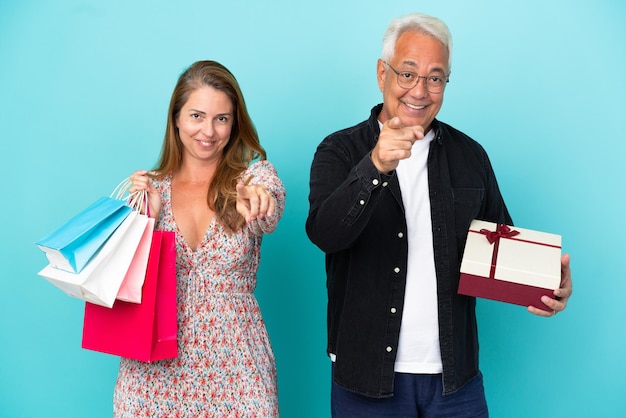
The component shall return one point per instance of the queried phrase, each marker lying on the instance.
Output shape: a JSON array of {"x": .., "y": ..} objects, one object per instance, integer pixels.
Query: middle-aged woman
[{"x": 214, "y": 187}]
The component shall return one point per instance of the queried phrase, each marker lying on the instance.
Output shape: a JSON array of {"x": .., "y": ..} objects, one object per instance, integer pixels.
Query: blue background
[{"x": 84, "y": 90}]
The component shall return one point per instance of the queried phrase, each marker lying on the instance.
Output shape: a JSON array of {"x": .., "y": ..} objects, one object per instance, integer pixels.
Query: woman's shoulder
[
  {"x": 159, "y": 181},
  {"x": 259, "y": 167}
]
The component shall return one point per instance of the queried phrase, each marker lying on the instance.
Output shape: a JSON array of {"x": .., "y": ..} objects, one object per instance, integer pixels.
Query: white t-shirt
[{"x": 418, "y": 349}]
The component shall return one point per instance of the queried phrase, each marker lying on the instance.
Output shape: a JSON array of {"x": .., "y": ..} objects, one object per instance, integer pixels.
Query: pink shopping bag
[
  {"x": 146, "y": 331},
  {"x": 130, "y": 291}
]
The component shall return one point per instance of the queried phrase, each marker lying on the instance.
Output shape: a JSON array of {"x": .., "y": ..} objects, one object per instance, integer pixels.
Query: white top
[{"x": 418, "y": 348}]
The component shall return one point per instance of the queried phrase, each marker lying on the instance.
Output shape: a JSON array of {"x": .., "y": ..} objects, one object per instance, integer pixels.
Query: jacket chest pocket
[{"x": 467, "y": 206}]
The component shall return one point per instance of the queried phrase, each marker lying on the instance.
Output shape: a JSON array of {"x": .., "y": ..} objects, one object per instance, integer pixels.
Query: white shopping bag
[{"x": 100, "y": 281}]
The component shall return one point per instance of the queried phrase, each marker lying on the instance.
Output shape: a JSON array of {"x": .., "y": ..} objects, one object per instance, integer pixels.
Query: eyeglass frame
[{"x": 425, "y": 77}]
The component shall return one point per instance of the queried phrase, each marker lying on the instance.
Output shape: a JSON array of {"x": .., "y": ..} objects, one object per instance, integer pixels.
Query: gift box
[{"x": 510, "y": 264}]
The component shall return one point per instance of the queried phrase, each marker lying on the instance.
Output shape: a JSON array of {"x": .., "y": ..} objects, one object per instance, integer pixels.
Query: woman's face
[{"x": 204, "y": 124}]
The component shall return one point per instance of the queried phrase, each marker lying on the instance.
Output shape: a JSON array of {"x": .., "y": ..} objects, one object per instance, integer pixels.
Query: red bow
[{"x": 502, "y": 231}]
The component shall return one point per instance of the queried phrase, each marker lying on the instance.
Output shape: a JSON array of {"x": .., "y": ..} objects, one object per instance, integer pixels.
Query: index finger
[
  {"x": 394, "y": 123},
  {"x": 414, "y": 131}
]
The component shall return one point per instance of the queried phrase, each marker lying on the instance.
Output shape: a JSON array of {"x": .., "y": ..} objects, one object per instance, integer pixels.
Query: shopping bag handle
[
  {"x": 137, "y": 200},
  {"x": 121, "y": 189}
]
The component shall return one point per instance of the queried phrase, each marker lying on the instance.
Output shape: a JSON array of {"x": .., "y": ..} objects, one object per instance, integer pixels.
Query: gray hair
[{"x": 420, "y": 23}]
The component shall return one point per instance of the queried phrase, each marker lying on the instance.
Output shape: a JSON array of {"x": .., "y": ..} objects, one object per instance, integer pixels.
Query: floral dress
[{"x": 225, "y": 365}]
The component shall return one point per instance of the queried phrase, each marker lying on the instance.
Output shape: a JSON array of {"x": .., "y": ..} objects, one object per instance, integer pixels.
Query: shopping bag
[
  {"x": 146, "y": 331},
  {"x": 73, "y": 244},
  {"x": 130, "y": 290},
  {"x": 99, "y": 282}
]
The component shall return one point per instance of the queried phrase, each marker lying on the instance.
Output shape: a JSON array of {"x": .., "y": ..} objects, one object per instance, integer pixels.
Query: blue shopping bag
[
  {"x": 73, "y": 244},
  {"x": 100, "y": 281}
]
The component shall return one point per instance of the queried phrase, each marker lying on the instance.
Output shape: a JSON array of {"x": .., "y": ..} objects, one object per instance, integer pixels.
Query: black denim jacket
[{"x": 356, "y": 217}]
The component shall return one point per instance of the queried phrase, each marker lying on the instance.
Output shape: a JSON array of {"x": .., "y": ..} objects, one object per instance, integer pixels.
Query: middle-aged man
[{"x": 391, "y": 201}]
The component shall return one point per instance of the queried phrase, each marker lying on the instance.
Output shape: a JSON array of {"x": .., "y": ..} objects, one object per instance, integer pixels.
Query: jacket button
[
  {"x": 385, "y": 184},
  {"x": 361, "y": 202},
  {"x": 397, "y": 270},
  {"x": 394, "y": 310},
  {"x": 375, "y": 182},
  {"x": 400, "y": 235},
  {"x": 389, "y": 349}
]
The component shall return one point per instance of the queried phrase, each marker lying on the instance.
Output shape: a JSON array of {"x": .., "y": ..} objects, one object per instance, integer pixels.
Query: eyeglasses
[{"x": 407, "y": 80}]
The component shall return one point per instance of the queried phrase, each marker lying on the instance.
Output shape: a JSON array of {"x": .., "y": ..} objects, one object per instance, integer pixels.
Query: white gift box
[{"x": 510, "y": 264}]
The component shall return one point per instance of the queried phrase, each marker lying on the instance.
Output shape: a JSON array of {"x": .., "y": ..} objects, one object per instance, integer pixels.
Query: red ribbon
[{"x": 502, "y": 231}]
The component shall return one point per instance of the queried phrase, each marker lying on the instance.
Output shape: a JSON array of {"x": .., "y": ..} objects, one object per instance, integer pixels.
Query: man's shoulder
[
  {"x": 451, "y": 131},
  {"x": 359, "y": 128},
  {"x": 365, "y": 129},
  {"x": 450, "y": 134}
]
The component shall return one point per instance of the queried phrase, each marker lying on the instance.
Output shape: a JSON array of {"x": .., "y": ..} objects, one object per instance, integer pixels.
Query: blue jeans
[{"x": 415, "y": 396}]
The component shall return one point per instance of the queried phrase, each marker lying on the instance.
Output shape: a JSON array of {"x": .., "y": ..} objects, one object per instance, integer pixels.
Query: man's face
[{"x": 425, "y": 56}]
